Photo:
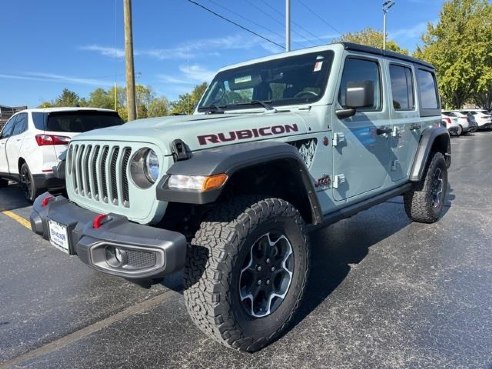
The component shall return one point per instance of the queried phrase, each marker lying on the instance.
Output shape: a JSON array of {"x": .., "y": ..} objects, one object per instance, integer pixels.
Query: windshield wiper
[
  {"x": 266, "y": 104},
  {"x": 212, "y": 109}
]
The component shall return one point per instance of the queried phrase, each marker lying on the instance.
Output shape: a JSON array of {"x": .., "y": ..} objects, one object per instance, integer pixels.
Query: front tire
[
  {"x": 28, "y": 184},
  {"x": 460, "y": 131},
  {"x": 246, "y": 271},
  {"x": 424, "y": 203}
]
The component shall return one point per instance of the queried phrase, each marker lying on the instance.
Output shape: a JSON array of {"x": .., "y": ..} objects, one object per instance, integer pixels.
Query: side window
[
  {"x": 427, "y": 89},
  {"x": 39, "y": 120},
  {"x": 357, "y": 70},
  {"x": 20, "y": 124},
  {"x": 8, "y": 128},
  {"x": 402, "y": 87}
]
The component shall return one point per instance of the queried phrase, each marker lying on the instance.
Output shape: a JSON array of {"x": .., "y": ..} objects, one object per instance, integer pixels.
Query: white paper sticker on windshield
[
  {"x": 242, "y": 79},
  {"x": 318, "y": 66}
]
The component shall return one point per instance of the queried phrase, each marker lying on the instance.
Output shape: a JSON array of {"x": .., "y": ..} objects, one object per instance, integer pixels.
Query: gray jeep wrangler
[{"x": 277, "y": 146}]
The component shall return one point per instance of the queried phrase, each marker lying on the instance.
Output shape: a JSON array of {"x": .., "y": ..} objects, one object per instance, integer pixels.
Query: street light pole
[
  {"x": 387, "y": 4},
  {"x": 287, "y": 25}
]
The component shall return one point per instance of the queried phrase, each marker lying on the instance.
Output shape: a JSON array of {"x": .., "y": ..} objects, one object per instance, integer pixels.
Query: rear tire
[
  {"x": 28, "y": 184},
  {"x": 460, "y": 131},
  {"x": 424, "y": 203},
  {"x": 246, "y": 271}
]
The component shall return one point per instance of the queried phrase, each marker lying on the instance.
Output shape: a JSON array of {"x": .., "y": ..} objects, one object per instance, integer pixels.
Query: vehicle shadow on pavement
[
  {"x": 12, "y": 197},
  {"x": 340, "y": 247},
  {"x": 450, "y": 196}
]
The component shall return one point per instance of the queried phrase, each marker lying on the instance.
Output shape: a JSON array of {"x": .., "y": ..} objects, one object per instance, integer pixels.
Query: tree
[
  {"x": 67, "y": 98},
  {"x": 46, "y": 104},
  {"x": 158, "y": 107},
  {"x": 187, "y": 103},
  {"x": 459, "y": 47},
  {"x": 100, "y": 98},
  {"x": 144, "y": 97},
  {"x": 371, "y": 37}
]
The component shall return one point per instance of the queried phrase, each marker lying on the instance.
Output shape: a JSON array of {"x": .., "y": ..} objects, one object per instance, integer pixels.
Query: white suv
[
  {"x": 32, "y": 141},
  {"x": 480, "y": 116}
]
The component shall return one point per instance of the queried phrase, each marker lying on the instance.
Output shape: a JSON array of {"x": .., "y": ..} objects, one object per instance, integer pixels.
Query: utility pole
[
  {"x": 129, "y": 65},
  {"x": 287, "y": 25},
  {"x": 386, "y": 6}
]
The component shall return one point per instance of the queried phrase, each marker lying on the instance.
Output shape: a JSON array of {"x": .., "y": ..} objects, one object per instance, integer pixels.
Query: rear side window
[
  {"x": 402, "y": 87},
  {"x": 427, "y": 89},
  {"x": 38, "y": 119},
  {"x": 358, "y": 70},
  {"x": 81, "y": 121}
]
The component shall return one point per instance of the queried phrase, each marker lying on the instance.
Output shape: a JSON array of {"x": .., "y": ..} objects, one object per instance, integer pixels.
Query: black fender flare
[
  {"x": 428, "y": 139},
  {"x": 229, "y": 160}
]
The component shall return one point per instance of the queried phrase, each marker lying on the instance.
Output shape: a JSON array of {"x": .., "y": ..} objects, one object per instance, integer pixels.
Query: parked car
[
  {"x": 465, "y": 125},
  {"x": 452, "y": 125},
  {"x": 33, "y": 139},
  {"x": 480, "y": 116}
]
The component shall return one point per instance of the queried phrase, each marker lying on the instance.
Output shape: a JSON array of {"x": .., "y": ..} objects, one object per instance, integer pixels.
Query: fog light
[{"x": 116, "y": 256}]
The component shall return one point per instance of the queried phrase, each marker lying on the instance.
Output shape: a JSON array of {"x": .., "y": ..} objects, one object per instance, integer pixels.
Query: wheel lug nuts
[
  {"x": 273, "y": 269},
  {"x": 267, "y": 281},
  {"x": 268, "y": 260},
  {"x": 259, "y": 282},
  {"x": 258, "y": 268}
]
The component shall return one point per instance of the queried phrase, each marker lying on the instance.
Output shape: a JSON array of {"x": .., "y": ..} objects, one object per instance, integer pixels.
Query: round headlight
[
  {"x": 151, "y": 166},
  {"x": 144, "y": 168}
]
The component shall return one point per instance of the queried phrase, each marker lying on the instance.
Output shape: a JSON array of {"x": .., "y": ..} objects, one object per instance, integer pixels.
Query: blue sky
[{"x": 79, "y": 44}]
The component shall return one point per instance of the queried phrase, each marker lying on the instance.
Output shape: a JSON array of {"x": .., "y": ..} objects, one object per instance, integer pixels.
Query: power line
[
  {"x": 234, "y": 23},
  {"x": 318, "y": 16},
  {"x": 282, "y": 23},
  {"x": 246, "y": 19},
  {"x": 294, "y": 23}
]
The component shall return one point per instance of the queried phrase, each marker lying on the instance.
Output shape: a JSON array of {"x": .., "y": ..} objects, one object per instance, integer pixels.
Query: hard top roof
[
  {"x": 372, "y": 50},
  {"x": 346, "y": 45}
]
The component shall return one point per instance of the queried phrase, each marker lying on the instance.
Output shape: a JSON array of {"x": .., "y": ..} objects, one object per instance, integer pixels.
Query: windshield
[{"x": 293, "y": 80}]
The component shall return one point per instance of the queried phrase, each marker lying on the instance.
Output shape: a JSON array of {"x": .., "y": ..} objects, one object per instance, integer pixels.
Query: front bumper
[{"x": 144, "y": 252}]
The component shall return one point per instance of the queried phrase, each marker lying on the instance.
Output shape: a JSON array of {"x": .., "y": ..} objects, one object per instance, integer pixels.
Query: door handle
[
  {"x": 415, "y": 127},
  {"x": 384, "y": 131}
]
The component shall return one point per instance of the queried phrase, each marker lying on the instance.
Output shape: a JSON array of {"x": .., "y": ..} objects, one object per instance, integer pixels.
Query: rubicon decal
[{"x": 245, "y": 134}]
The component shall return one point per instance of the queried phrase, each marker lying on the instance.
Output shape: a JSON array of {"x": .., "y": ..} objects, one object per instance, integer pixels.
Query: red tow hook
[
  {"x": 99, "y": 220},
  {"x": 46, "y": 200}
]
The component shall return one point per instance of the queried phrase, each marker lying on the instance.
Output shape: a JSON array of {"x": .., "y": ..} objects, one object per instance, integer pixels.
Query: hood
[{"x": 202, "y": 131}]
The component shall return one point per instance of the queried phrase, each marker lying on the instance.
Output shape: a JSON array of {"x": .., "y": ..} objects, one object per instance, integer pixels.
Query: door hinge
[
  {"x": 395, "y": 164},
  {"x": 338, "y": 180},
  {"x": 338, "y": 138}
]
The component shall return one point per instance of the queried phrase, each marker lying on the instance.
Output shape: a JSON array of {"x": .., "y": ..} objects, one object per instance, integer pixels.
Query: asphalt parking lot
[{"x": 383, "y": 293}]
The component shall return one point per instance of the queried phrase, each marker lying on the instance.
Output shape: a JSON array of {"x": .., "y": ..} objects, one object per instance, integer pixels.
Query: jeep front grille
[{"x": 99, "y": 172}]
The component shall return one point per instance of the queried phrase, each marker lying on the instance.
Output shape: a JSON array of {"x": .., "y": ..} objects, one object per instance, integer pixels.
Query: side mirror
[{"x": 360, "y": 94}]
